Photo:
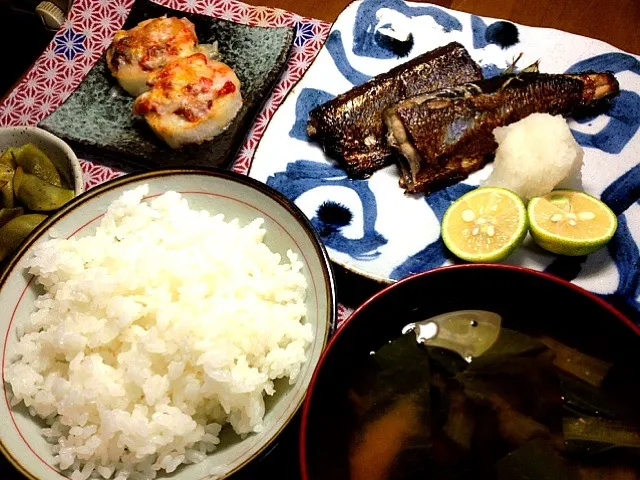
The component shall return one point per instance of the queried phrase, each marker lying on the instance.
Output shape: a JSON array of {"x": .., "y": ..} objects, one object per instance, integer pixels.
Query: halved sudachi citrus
[
  {"x": 569, "y": 222},
  {"x": 485, "y": 225}
]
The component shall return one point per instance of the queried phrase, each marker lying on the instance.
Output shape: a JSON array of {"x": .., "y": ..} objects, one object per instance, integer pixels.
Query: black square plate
[{"x": 97, "y": 121}]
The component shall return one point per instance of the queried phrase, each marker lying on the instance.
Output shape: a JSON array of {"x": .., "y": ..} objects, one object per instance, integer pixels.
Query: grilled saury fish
[
  {"x": 350, "y": 128},
  {"x": 445, "y": 135}
]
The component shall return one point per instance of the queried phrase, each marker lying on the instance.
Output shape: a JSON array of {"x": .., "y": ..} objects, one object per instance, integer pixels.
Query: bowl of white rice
[{"x": 162, "y": 325}]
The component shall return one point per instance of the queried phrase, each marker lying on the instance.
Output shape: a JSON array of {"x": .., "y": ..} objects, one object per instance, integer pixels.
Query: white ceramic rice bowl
[{"x": 225, "y": 192}]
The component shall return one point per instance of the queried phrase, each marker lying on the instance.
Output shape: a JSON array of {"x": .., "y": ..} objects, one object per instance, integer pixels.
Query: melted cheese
[
  {"x": 151, "y": 44},
  {"x": 188, "y": 87}
]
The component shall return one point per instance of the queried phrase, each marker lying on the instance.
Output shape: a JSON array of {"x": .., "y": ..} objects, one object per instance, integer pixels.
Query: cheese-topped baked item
[
  {"x": 134, "y": 54},
  {"x": 191, "y": 100}
]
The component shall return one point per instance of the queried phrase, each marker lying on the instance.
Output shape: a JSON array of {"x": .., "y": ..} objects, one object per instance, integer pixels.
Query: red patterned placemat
[{"x": 87, "y": 33}]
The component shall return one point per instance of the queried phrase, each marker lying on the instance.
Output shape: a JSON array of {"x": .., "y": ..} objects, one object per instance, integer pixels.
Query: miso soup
[{"x": 529, "y": 408}]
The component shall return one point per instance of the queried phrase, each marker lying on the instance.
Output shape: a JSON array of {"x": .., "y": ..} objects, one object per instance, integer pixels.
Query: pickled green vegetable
[
  {"x": 36, "y": 162},
  {"x": 15, "y": 231},
  {"x": 6, "y": 187},
  {"x": 7, "y": 214},
  {"x": 7, "y": 158},
  {"x": 17, "y": 179},
  {"x": 38, "y": 195},
  {"x": 28, "y": 181}
]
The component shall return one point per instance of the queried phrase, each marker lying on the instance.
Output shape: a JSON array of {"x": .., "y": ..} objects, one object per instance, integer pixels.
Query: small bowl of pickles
[{"x": 39, "y": 173}]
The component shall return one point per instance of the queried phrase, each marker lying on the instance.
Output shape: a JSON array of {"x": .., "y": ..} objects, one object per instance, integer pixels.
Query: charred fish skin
[
  {"x": 350, "y": 128},
  {"x": 445, "y": 135}
]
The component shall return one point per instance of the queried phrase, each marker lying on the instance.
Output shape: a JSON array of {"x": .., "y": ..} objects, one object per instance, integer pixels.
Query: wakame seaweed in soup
[{"x": 529, "y": 408}]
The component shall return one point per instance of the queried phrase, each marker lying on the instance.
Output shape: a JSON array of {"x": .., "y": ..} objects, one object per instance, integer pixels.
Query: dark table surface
[{"x": 615, "y": 21}]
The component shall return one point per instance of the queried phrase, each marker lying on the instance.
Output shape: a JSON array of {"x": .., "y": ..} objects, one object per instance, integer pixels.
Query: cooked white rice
[{"x": 153, "y": 333}]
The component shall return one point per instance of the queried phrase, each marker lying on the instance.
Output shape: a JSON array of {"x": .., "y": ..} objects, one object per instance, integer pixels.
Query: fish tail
[{"x": 598, "y": 86}]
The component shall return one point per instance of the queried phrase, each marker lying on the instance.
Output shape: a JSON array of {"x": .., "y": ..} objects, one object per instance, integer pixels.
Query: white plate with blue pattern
[{"x": 372, "y": 228}]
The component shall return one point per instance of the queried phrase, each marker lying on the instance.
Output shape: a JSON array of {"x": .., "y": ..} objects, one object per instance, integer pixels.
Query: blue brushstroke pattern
[
  {"x": 627, "y": 307},
  {"x": 625, "y": 108},
  {"x": 334, "y": 214},
  {"x": 623, "y": 124},
  {"x": 336, "y": 51},
  {"x": 624, "y": 252},
  {"x": 309, "y": 99},
  {"x": 478, "y": 28},
  {"x": 436, "y": 253},
  {"x": 501, "y": 33},
  {"x": 624, "y": 192},
  {"x": 619, "y": 196},
  {"x": 302, "y": 176},
  {"x": 400, "y": 48},
  {"x": 616, "y": 62},
  {"x": 492, "y": 70},
  {"x": 432, "y": 256},
  {"x": 504, "y": 34},
  {"x": 364, "y": 28}
]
